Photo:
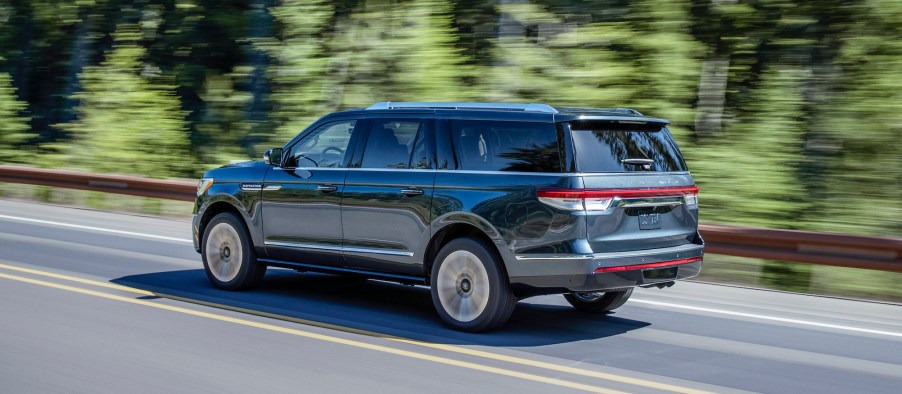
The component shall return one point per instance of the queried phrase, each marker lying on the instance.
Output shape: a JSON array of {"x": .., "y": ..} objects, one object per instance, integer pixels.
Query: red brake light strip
[{"x": 661, "y": 264}]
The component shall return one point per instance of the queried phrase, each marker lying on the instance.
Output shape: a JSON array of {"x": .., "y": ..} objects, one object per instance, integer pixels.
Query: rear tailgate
[
  {"x": 645, "y": 212},
  {"x": 638, "y": 183}
]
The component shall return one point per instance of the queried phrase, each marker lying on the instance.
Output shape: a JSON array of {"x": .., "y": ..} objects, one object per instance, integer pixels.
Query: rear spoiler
[{"x": 635, "y": 123}]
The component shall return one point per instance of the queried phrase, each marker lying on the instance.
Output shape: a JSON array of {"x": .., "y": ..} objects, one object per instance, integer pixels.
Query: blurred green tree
[
  {"x": 303, "y": 74},
  {"x": 208, "y": 50},
  {"x": 222, "y": 123},
  {"x": 408, "y": 53},
  {"x": 127, "y": 122},
  {"x": 327, "y": 60},
  {"x": 750, "y": 173},
  {"x": 646, "y": 59},
  {"x": 859, "y": 138},
  {"x": 13, "y": 126}
]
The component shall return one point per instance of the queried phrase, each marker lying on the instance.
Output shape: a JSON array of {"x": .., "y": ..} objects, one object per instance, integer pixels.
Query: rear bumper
[{"x": 560, "y": 274}]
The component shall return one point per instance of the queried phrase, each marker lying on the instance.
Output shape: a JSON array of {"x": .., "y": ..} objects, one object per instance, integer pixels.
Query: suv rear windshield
[
  {"x": 608, "y": 147},
  {"x": 506, "y": 146}
]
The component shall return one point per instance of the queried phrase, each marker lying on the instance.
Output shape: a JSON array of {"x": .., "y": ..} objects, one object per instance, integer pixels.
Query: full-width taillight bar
[
  {"x": 662, "y": 264},
  {"x": 600, "y": 199},
  {"x": 622, "y": 193}
]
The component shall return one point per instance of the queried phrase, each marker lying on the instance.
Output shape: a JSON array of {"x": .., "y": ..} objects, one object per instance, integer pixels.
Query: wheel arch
[
  {"x": 222, "y": 205},
  {"x": 458, "y": 226}
]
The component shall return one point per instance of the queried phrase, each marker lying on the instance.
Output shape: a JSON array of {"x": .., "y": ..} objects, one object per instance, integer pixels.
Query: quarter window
[{"x": 506, "y": 146}]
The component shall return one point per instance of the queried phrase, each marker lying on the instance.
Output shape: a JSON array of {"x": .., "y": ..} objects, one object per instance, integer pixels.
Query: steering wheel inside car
[{"x": 328, "y": 148}]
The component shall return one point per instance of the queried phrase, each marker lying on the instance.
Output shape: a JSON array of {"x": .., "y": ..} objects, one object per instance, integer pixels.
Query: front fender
[{"x": 222, "y": 197}]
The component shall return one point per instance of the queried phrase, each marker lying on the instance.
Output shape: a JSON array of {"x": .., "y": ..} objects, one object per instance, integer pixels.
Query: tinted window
[
  {"x": 324, "y": 147},
  {"x": 391, "y": 143},
  {"x": 606, "y": 149},
  {"x": 506, "y": 146}
]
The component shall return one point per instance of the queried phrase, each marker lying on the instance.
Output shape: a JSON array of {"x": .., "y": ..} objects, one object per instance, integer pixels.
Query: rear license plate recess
[{"x": 649, "y": 220}]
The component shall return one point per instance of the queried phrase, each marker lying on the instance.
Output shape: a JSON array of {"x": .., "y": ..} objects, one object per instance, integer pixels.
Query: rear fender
[{"x": 460, "y": 217}]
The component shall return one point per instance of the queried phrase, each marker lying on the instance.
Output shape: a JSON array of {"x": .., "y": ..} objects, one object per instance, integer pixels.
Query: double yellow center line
[{"x": 349, "y": 342}]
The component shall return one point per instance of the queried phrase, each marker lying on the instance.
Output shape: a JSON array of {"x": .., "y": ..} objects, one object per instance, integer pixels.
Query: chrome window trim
[{"x": 489, "y": 172}]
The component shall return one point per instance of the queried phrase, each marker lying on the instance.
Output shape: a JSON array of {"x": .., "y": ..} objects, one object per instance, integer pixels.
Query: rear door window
[
  {"x": 610, "y": 147},
  {"x": 506, "y": 146},
  {"x": 397, "y": 143}
]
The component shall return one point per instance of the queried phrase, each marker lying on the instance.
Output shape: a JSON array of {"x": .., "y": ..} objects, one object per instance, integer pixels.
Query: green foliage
[
  {"x": 647, "y": 59},
  {"x": 749, "y": 174},
  {"x": 861, "y": 142},
  {"x": 303, "y": 75},
  {"x": 127, "y": 122},
  {"x": 224, "y": 124},
  {"x": 325, "y": 61},
  {"x": 12, "y": 126},
  {"x": 391, "y": 53}
]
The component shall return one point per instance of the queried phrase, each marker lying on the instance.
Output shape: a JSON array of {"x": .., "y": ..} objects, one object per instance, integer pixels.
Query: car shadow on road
[{"x": 383, "y": 308}]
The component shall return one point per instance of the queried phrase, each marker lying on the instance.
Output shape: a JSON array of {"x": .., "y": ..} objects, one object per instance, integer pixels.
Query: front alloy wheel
[{"x": 229, "y": 258}]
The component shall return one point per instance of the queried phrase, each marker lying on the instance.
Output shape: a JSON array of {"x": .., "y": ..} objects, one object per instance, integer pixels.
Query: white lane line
[
  {"x": 771, "y": 318},
  {"x": 91, "y": 228}
]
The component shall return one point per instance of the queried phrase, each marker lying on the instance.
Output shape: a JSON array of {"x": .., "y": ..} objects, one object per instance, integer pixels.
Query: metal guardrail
[
  {"x": 120, "y": 184},
  {"x": 875, "y": 253}
]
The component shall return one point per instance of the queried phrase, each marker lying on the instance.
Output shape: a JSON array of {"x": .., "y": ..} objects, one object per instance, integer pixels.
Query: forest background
[{"x": 789, "y": 113}]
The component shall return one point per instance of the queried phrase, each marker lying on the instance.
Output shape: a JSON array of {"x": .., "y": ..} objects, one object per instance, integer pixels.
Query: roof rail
[{"x": 545, "y": 108}]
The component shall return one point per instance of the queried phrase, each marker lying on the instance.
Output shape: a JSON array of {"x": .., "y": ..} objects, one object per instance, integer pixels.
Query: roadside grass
[
  {"x": 803, "y": 278},
  {"x": 741, "y": 271},
  {"x": 97, "y": 200}
]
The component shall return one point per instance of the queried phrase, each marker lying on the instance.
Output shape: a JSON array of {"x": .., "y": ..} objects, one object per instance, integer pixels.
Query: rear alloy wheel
[
  {"x": 469, "y": 289},
  {"x": 229, "y": 258},
  {"x": 598, "y": 302}
]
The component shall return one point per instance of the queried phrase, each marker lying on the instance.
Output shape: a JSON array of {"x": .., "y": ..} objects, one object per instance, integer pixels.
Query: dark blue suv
[{"x": 485, "y": 203}]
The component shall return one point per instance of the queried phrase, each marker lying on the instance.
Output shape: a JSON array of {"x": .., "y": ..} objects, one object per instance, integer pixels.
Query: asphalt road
[{"x": 95, "y": 301}]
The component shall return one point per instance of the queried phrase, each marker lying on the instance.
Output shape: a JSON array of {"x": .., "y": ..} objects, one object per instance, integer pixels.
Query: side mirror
[{"x": 273, "y": 156}]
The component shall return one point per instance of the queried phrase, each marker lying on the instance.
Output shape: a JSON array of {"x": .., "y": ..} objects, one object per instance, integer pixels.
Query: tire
[
  {"x": 598, "y": 302},
  {"x": 230, "y": 260},
  {"x": 470, "y": 290}
]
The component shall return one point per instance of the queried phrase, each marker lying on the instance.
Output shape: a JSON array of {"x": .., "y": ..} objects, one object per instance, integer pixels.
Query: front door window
[{"x": 325, "y": 147}]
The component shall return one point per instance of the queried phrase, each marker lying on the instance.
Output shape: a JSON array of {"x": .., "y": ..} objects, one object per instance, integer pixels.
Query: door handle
[
  {"x": 412, "y": 192},
  {"x": 326, "y": 189}
]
